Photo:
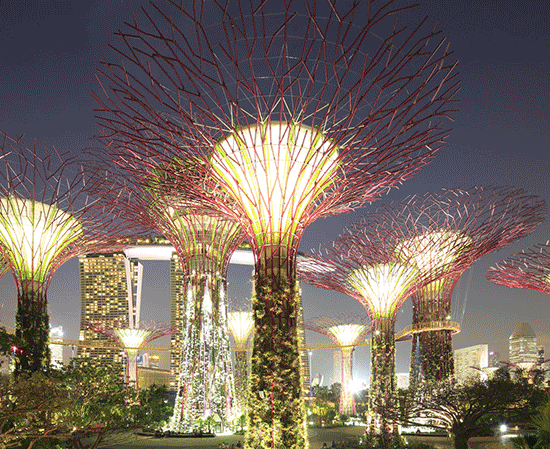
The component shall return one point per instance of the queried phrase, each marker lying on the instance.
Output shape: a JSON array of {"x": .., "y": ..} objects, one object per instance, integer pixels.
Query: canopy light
[
  {"x": 241, "y": 325},
  {"x": 435, "y": 250},
  {"x": 347, "y": 334},
  {"x": 383, "y": 285},
  {"x": 34, "y": 234},
  {"x": 276, "y": 170}
]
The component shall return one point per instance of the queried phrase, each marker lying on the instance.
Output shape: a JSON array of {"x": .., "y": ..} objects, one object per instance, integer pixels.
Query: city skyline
[{"x": 500, "y": 137}]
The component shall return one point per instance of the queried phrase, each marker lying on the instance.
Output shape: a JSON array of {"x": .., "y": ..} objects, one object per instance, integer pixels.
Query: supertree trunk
[
  {"x": 433, "y": 349},
  {"x": 131, "y": 367},
  {"x": 382, "y": 383},
  {"x": 347, "y": 401},
  {"x": 241, "y": 381},
  {"x": 205, "y": 385},
  {"x": 276, "y": 411},
  {"x": 32, "y": 328}
]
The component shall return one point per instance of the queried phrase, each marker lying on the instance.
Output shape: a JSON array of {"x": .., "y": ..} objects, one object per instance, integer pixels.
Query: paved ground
[{"x": 316, "y": 439}]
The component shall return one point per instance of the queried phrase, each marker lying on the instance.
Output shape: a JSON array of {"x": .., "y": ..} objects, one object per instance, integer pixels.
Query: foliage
[
  {"x": 155, "y": 405},
  {"x": 101, "y": 404},
  {"x": 466, "y": 410},
  {"x": 79, "y": 405},
  {"x": 276, "y": 411},
  {"x": 541, "y": 422},
  {"x": 7, "y": 342},
  {"x": 32, "y": 329},
  {"x": 205, "y": 385},
  {"x": 31, "y": 409}
]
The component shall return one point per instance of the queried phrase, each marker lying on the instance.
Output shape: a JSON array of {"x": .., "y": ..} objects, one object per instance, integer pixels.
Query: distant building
[
  {"x": 494, "y": 359},
  {"x": 104, "y": 299},
  {"x": 403, "y": 380},
  {"x": 154, "y": 361},
  {"x": 471, "y": 362},
  {"x": 56, "y": 351},
  {"x": 153, "y": 376},
  {"x": 523, "y": 346}
]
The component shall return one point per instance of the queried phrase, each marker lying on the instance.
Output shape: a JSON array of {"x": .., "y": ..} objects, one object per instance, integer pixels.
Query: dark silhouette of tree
[{"x": 465, "y": 410}]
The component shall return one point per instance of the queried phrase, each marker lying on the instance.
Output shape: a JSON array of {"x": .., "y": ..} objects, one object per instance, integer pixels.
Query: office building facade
[
  {"x": 471, "y": 363},
  {"x": 105, "y": 299},
  {"x": 523, "y": 346}
]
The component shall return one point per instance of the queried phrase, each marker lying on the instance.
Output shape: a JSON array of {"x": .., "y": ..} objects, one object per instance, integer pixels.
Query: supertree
[
  {"x": 131, "y": 340},
  {"x": 297, "y": 111},
  {"x": 346, "y": 332},
  {"x": 204, "y": 245},
  {"x": 46, "y": 217},
  {"x": 447, "y": 232},
  {"x": 528, "y": 269},
  {"x": 241, "y": 327},
  {"x": 368, "y": 264}
]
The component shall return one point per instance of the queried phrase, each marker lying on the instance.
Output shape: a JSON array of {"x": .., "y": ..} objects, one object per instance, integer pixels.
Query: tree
[
  {"x": 31, "y": 409},
  {"x": 301, "y": 112},
  {"x": 101, "y": 404},
  {"x": 464, "y": 411},
  {"x": 155, "y": 403}
]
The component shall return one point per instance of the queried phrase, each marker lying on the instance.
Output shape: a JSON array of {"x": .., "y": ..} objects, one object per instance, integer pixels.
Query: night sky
[{"x": 50, "y": 50}]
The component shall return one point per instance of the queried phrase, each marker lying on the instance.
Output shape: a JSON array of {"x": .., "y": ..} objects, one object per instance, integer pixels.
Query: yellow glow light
[
  {"x": 434, "y": 250},
  {"x": 34, "y": 234},
  {"x": 275, "y": 170},
  {"x": 383, "y": 285},
  {"x": 241, "y": 325},
  {"x": 132, "y": 338},
  {"x": 347, "y": 334}
]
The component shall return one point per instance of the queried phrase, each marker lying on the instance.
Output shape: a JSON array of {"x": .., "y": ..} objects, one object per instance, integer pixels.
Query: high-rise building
[
  {"x": 402, "y": 380},
  {"x": 105, "y": 299},
  {"x": 523, "y": 346},
  {"x": 470, "y": 363},
  {"x": 494, "y": 359},
  {"x": 56, "y": 351}
]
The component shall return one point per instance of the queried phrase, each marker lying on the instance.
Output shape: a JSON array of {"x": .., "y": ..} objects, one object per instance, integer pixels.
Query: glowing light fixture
[
  {"x": 34, "y": 234},
  {"x": 275, "y": 170},
  {"x": 383, "y": 285}
]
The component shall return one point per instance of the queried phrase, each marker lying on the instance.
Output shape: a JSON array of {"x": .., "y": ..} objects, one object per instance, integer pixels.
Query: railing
[{"x": 452, "y": 326}]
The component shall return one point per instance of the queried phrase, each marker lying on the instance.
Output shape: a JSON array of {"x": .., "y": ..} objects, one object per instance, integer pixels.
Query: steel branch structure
[
  {"x": 204, "y": 244},
  {"x": 131, "y": 340},
  {"x": 296, "y": 110},
  {"x": 528, "y": 269},
  {"x": 459, "y": 226},
  {"x": 46, "y": 217},
  {"x": 241, "y": 327},
  {"x": 345, "y": 332},
  {"x": 369, "y": 265}
]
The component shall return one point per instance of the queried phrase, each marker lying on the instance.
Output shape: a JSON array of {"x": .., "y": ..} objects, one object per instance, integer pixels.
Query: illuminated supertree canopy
[
  {"x": 46, "y": 217},
  {"x": 369, "y": 265},
  {"x": 528, "y": 269},
  {"x": 295, "y": 110},
  {"x": 445, "y": 233},
  {"x": 346, "y": 332},
  {"x": 241, "y": 327},
  {"x": 131, "y": 340},
  {"x": 204, "y": 245}
]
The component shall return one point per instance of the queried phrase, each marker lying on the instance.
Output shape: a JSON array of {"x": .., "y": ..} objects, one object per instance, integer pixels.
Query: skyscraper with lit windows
[
  {"x": 523, "y": 346},
  {"x": 105, "y": 299}
]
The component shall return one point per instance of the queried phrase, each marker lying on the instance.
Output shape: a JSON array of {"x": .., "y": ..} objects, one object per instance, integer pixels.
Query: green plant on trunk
[{"x": 275, "y": 405}]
